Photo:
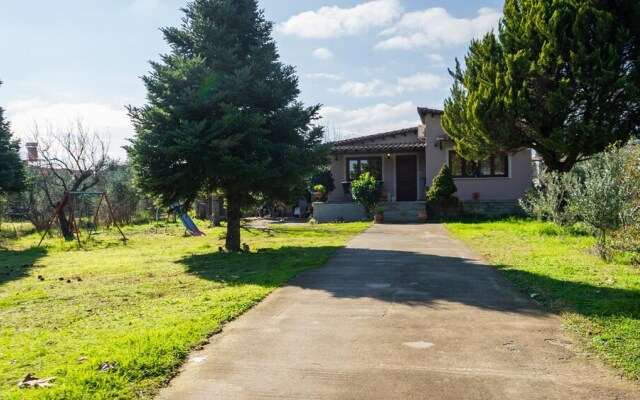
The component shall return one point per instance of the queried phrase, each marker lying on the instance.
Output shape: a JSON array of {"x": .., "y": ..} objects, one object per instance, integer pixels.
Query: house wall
[
  {"x": 339, "y": 172},
  {"x": 490, "y": 189}
]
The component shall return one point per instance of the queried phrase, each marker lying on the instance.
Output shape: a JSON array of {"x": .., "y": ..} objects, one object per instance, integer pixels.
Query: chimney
[{"x": 32, "y": 151}]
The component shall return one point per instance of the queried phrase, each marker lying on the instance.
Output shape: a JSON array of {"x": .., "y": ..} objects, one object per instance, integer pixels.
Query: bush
[
  {"x": 366, "y": 191},
  {"x": 549, "y": 200},
  {"x": 602, "y": 193},
  {"x": 607, "y": 196},
  {"x": 4, "y": 210},
  {"x": 628, "y": 237},
  {"x": 322, "y": 177},
  {"x": 442, "y": 189}
]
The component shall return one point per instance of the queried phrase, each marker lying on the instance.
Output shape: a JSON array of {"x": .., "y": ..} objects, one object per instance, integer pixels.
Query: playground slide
[{"x": 187, "y": 221}]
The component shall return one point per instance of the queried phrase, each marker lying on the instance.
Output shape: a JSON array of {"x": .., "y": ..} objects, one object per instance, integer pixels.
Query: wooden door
[{"x": 406, "y": 178}]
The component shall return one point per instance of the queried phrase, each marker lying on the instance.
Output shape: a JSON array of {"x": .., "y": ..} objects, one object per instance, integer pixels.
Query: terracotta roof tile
[
  {"x": 379, "y": 148},
  {"x": 363, "y": 139},
  {"x": 422, "y": 111}
]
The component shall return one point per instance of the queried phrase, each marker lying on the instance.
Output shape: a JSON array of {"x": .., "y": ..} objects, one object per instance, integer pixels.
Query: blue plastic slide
[{"x": 188, "y": 223}]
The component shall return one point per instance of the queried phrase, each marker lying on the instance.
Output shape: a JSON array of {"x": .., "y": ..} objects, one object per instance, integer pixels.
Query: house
[{"x": 405, "y": 161}]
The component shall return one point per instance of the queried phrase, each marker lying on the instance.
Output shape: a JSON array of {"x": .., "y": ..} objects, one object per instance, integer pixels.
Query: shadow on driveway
[{"x": 402, "y": 277}]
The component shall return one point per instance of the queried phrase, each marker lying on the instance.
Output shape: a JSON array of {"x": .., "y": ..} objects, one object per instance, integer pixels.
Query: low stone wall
[
  {"x": 492, "y": 207},
  {"x": 331, "y": 212}
]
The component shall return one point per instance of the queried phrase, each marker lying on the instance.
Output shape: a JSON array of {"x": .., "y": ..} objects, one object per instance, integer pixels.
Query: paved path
[{"x": 403, "y": 312}]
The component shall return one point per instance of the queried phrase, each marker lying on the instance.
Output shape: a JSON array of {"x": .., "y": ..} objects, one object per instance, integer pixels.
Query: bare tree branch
[{"x": 71, "y": 159}]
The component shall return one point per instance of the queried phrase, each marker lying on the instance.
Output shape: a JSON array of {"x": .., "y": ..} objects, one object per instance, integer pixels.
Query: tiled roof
[
  {"x": 379, "y": 148},
  {"x": 424, "y": 111},
  {"x": 363, "y": 139}
]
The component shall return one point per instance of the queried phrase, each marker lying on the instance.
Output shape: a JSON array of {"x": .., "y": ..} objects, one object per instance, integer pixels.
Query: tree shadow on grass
[
  {"x": 582, "y": 298},
  {"x": 475, "y": 218},
  {"x": 267, "y": 267},
  {"x": 409, "y": 278},
  {"x": 16, "y": 264}
]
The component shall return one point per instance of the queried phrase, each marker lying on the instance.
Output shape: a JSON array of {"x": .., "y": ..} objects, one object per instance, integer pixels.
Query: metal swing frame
[{"x": 68, "y": 200}]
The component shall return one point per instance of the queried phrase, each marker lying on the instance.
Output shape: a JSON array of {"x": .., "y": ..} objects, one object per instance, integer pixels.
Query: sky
[{"x": 369, "y": 63}]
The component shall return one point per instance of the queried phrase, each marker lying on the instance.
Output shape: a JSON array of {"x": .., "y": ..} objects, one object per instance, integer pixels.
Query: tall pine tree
[
  {"x": 12, "y": 172},
  {"x": 562, "y": 77},
  {"x": 223, "y": 114}
]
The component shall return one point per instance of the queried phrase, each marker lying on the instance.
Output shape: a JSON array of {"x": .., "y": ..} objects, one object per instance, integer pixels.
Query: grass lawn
[
  {"x": 598, "y": 300},
  {"x": 135, "y": 310}
]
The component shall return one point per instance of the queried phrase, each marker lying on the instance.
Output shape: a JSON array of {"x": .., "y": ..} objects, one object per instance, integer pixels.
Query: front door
[{"x": 406, "y": 178}]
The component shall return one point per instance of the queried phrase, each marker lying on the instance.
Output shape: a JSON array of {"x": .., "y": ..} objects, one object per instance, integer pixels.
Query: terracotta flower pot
[
  {"x": 422, "y": 216},
  {"x": 379, "y": 218}
]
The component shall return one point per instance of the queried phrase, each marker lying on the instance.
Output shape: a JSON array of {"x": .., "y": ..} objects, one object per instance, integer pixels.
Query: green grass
[
  {"x": 141, "y": 305},
  {"x": 598, "y": 300}
]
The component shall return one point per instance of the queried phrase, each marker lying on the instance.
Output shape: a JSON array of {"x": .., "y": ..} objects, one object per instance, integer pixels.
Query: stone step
[
  {"x": 402, "y": 206},
  {"x": 401, "y": 216}
]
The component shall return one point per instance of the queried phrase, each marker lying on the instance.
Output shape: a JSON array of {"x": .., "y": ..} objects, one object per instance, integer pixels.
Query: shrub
[
  {"x": 549, "y": 200},
  {"x": 628, "y": 237},
  {"x": 366, "y": 191},
  {"x": 319, "y": 188},
  {"x": 322, "y": 177},
  {"x": 443, "y": 188},
  {"x": 602, "y": 194},
  {"x": 4, "y": 210},
  {"x": 606, "y": 196}
]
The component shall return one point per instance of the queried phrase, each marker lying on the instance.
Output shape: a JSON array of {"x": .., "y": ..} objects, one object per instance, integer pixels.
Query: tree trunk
[
  {"x": 65, "y": 224},
  {"x": 564, "y": 164},
  {"x": 233, "y": 220}
]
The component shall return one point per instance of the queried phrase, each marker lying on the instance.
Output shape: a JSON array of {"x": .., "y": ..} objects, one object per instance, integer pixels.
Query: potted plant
[
  {"x": 319, "y": 192},
  {"x": 366, "y": 191},
  {"x": 378, "y": 215},
  {"x": 384, "y": 194},
  {"x": 322, "y": 177},
  {"x": 422, "y": 215}
]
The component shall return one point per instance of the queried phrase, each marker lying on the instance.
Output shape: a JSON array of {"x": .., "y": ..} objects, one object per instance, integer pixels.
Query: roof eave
[{"x": 424, "y": 111}]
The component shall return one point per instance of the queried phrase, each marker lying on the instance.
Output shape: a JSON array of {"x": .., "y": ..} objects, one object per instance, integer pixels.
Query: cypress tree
[
  {"x": 561, "y": 77},
  {"x": 12, "y": 172},
  {"x": 223, "y": 114},
  {"x": 442, "y": 189}
]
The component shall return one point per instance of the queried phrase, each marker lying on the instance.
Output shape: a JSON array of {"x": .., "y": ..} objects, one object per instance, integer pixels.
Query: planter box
[{"x": 331, "y": 212}]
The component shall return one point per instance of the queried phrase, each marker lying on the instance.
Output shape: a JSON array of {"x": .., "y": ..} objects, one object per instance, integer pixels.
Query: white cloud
[
  {"x": 374, "y": 88},
  {"x": 436, "y": 58},
  {"x": 435, "y": 27},
  {"x": 378, "y": 88},
  {"x": 418, "y": 82},
  {"x": 323, "y": 54},
  {"x": 107, "y": 119},
  {"x": 369, "y": 120},
  {"x": 322, "y": 75},
  {"x": 333, "y": 22}
]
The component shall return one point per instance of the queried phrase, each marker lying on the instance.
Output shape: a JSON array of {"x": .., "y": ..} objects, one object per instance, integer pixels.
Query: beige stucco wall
[
  {"x": 430, "y": 161},
  {"x": 510, "y": 188},
  {"x": 339, "y": 172}
]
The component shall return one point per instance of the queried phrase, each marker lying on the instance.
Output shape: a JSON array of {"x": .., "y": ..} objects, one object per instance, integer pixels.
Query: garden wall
[{"x": 331, "y": 212}]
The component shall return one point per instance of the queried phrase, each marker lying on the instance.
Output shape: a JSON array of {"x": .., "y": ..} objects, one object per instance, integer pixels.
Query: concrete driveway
[{"x": 402, "y": 312}]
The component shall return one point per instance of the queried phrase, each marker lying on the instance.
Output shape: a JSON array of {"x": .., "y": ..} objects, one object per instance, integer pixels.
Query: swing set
[{"x": 71, "y": 200}]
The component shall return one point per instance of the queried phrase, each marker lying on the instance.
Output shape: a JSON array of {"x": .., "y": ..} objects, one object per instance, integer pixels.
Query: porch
[
  {"x": 394, "y": 211},
  {"x": 396, "y": 159}
]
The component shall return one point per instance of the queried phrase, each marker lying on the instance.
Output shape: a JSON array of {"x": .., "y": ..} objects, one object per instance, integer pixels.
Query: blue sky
[{"x": 370, "y": 63}]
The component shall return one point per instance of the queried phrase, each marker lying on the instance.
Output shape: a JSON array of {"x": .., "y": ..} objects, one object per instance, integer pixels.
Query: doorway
[{"x": 406, "y": 178}]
